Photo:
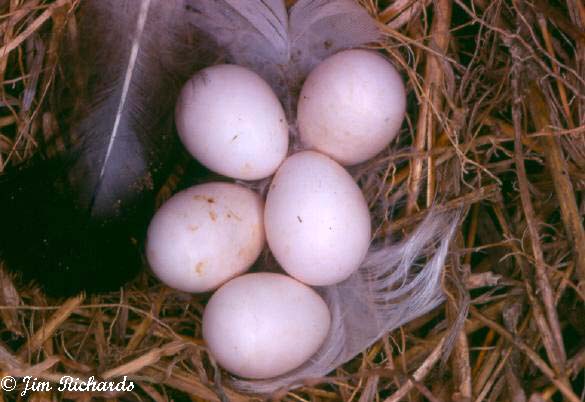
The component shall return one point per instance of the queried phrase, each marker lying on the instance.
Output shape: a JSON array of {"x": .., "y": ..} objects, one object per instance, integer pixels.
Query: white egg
[
  {"x": 351, "y": 106},
  {"x": 317, "y": 220},
  {"x": 232, "y": 122},
  {"x": 205, "y": 235},
  {"x": 262, "y": 325}
]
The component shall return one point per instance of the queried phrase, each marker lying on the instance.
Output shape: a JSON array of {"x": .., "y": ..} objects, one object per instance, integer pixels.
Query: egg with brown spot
[
  {"x": 317, "y": 220},
  {"x": 199, "y": 268},
  {"x": 192, "y": 245},
  {"x": 229, "y": 118}
]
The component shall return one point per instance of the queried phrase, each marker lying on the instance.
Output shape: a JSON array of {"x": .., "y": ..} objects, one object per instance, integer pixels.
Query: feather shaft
[{"x": 144, "y": 8}]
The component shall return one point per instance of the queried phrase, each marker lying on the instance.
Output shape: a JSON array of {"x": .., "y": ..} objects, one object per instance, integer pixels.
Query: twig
[
  {"x": 481, "y": 194},
  {"x": 555, "y": 347},
  {"x": 33, "y": 27},
  {"x": 47, "y": 330},
  {"x": 531, "y": 354},
  {"x": 563, "y": 187},
  {"x": 419, "y": 374},
  {"x": 425, "y": 128}
]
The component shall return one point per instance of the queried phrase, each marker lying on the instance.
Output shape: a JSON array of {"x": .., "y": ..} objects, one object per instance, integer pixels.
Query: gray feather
[
  {"x": 137, "y": 64},
  {"x": 283, "y": 47}
]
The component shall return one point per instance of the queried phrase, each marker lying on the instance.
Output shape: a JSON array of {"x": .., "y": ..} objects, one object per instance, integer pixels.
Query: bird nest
[{"x": 496, "y": 94}]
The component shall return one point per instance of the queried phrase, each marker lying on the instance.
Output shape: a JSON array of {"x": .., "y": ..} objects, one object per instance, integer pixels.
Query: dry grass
[{"x": 496, "y": 124}]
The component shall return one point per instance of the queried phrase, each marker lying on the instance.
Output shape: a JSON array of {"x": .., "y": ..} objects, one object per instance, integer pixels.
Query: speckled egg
[{"x": 205, "y": 235}]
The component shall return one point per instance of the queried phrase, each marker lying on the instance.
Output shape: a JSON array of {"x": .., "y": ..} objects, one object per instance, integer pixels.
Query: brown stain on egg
[
  {"x": 193, "y": 228},
  {"x": 209, "y": 200},
  {"x": 231, "y": 214},
  {"x": 199, "y": 268},
  {"x": 250, "y": 252},
  {"x": 213, "y": 216}
]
